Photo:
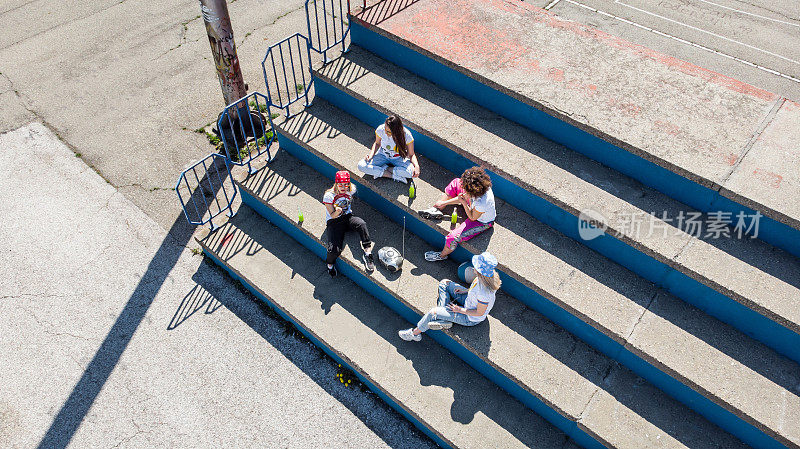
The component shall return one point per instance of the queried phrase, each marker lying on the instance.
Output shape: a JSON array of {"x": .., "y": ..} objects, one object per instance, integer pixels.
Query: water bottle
[
  {"x": 453, "y": 217},
  {"x": 300, "y": 217},
  {"x": 412, "y": 192}
]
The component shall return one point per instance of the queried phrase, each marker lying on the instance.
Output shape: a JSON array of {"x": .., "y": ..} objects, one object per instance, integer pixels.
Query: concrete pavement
[{"x": 116, "y": 335}]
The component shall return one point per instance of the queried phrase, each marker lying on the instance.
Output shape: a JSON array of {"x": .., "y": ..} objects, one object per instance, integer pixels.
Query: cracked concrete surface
[
  {"x": 102, "y": 350},
  {"x": 90, "y": 76}
]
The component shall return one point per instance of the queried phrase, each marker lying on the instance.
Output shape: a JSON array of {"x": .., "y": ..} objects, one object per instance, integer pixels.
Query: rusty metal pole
[{"x": 220, "y": 36}]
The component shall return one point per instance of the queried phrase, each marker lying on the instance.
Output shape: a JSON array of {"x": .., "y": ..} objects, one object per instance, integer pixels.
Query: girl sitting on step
[
  {"x": 340, "y": 219},
  {"x": 473, "y": 191},
  {"x": 460, "y": 305},
  {"x": 392, "y": 154}
]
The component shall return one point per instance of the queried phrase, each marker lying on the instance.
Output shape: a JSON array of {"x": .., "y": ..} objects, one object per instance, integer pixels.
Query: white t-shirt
[
  {"x": 485, "y": 204},
  {"x": 388, "y": 145},
  {"x": 479, "y": 293},
  {"x": 343, "y": 200}
]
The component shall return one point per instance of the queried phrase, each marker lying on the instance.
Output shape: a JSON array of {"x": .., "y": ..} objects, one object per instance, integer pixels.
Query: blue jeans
[
  {"x": 380, "y": 162},
  {"x": 448, "y": 291}
]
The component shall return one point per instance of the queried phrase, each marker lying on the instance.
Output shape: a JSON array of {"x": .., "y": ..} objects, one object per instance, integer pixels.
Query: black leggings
[{"x": 337, "y": 227}]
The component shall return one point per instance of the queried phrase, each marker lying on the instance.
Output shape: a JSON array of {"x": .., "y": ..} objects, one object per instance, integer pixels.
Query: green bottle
[
  {"x": 300, "y": 217},
  {"x": 412, "y": 192},
  {"x": 453, "y": 217}
]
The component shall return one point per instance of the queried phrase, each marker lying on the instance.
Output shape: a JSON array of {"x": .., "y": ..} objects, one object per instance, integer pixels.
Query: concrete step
[
  {"x": 710, "y": 141},
  {"x": 745, "y": 282},
  {"x": 442, "y": 395},
  {"x": 733, "y": 380},
  {"x": 548, "y": 369}
]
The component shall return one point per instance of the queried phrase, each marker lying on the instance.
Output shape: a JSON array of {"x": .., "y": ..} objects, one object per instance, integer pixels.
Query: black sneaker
[
  {"x": 369, "y": 261},
  {"x": 332, "y": 271}
]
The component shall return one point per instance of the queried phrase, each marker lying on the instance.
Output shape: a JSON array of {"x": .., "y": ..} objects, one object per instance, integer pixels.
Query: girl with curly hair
[{"x": 473, "y": 191}]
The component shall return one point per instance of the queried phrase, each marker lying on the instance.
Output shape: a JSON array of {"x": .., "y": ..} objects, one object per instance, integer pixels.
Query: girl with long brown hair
[{"x": 392, "y": 154}]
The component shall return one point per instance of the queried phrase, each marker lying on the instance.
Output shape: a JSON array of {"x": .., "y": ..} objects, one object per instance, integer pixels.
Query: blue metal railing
[
  {"x": 323, "y": 15},
  {"x": 207, "y": 189},
  {"x": 293, "y": 53},
  {"x": 245, "y": 131}
]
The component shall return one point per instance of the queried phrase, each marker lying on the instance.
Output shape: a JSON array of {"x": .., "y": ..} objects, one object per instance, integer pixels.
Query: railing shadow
[
  {"x": 281, "y": 336},
  {"x": 194, "y": 301},
  {"x": 342, "y": 292},
  {"x": 96, "y": 374},
  {"x": 379, "y": 12}
]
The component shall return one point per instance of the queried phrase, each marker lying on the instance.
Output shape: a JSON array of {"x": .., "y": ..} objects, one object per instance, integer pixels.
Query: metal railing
[
  {"x": 245, "y": 126},
  {"x": 289, "y": 53},
  {"x": 323, "y": 15},
  {"x": 207, "y": 189},
  {"x": 245, "y": 131}
]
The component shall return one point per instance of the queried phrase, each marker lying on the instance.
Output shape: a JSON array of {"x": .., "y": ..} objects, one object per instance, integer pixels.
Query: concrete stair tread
[
  {"x": 567, "y": 273},
  {"x": 754, "y": 273},
  {"x": 684, "y": 118},
  {"x": 544, "y": 359},
  {"x": 451, "y": 399}
]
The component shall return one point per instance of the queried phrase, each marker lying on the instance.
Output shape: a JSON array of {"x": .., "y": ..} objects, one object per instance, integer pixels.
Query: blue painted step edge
[
  {"x": 715, "y": 413},
  {"x": 676, "y": 186},
  {"x": 288, "y": 226},
  {"x": 722, "y": 307}
]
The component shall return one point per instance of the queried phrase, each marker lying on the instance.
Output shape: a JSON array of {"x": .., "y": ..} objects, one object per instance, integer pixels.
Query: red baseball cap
[{"x": 342, "y": 176}]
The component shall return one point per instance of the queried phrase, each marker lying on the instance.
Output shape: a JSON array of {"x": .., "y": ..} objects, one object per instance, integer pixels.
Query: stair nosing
[
  {"x": 665, "y": 259},
  {"x": 730, "y": 408}
]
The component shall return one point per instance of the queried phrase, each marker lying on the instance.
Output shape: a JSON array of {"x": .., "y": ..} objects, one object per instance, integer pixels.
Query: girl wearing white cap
[{"x": 460, "y": 305}]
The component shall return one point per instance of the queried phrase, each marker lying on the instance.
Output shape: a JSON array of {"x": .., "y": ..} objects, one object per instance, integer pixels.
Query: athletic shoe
[
  {"x": 439, "y": 325},
  {"x": 408, "y": 335},
  {"x": 434, "y": 256},
  {"x": 431, "y": 213},
  {"x": 332, "y": 271},
  {"x": 369, "y": 262}
]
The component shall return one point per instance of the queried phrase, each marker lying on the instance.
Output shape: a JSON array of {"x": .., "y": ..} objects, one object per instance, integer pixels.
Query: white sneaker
[
  {"x": 439, "y": 325},
  {"x": 434, "y": 256},
  {"x": 431, "y": 213},
  {"x": 408, "y": 335}
]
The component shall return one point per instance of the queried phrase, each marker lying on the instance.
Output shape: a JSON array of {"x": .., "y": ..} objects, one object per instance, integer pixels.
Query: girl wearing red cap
[{"x": 340, "y": 219}]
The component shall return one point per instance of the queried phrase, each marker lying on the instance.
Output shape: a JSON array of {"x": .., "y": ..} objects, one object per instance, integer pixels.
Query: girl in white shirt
[
  {"x": 460, "y": 305},
  {"x": 340, "y": 219},
  {"x": 392, "y": 154},
  {"x": 473, "y": 191}
]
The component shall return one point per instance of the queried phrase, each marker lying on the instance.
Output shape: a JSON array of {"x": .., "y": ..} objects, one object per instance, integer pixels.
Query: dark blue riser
[
  {"x": 288, "y": 226},
  {"x": 663, "y": 180},
  {"x": 752, "y": 323},
  {"x": 600, "y": 341},
  {"x": 328, "y": 350}
]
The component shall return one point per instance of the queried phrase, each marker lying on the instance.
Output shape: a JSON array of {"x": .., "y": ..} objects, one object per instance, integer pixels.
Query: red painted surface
[
  {"x": 227, "y": 239},
  {"x": 455, "y": 31},
  {"x": 768, "y": 178}
]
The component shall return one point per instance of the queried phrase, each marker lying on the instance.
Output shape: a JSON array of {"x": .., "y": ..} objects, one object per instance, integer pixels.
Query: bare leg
[
  {"x": 442, "y": 199},
  {"x": 446, "y": 251}
]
